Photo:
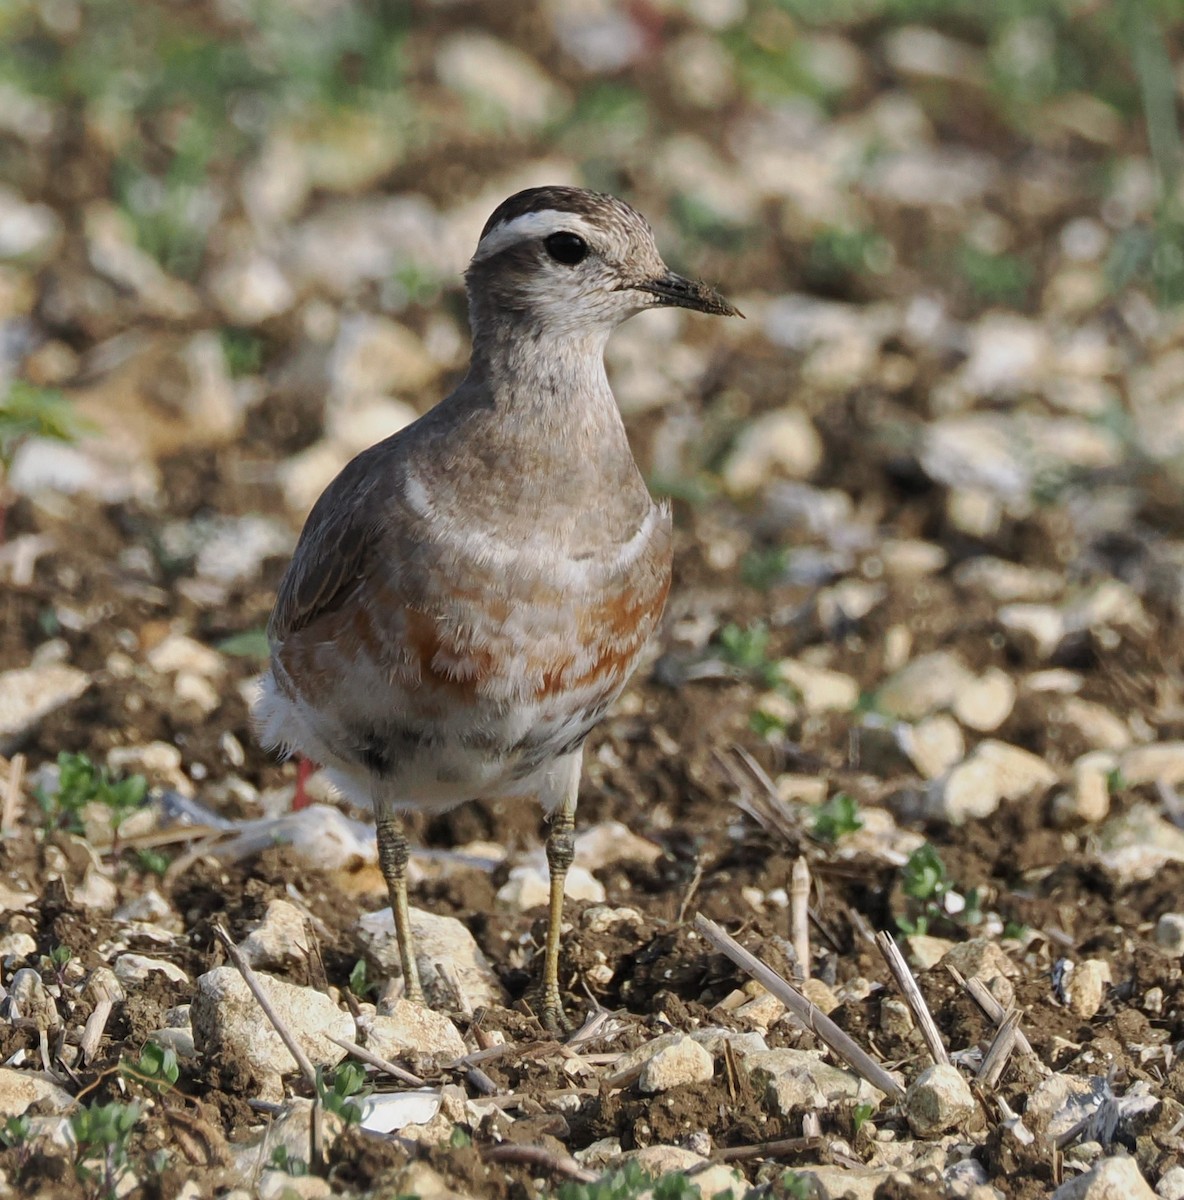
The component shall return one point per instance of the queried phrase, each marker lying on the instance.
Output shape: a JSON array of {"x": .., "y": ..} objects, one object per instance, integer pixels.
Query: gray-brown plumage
[{"x": 470, "y": 595}]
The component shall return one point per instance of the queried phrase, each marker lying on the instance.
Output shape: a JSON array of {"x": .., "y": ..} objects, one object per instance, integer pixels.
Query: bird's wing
[{"x": 333, "y": 554}]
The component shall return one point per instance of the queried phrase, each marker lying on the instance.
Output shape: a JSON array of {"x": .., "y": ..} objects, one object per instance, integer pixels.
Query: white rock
[
  {"x": 926, "y": 950},
  {"x": 375, "y": 356},
  {"x": 911, "y": 556},
  {"x": 177, "y": 1038},
  {"x": 1117, "y": 1178},
  {"x": 1007, "y": 352},
  {"x": 137, "y": 968},
  {"x": 992, "y": 773},
  {"x": 1088, "y": 799},
  {"x": 977, "y": 452},
  {"x": 795, "y": 1080},
  {"x": 1086, "y": 987},
  {"x": 1144, "y": 764},
  {"x": 437, "y": 939},
  {"x": 710, "y": 1180},
  {"x": 180, "y": 653},
  {"x": 20, "y": 1089},
  {"x": 683, "y": 1061},
  {"x": 229, "y": 1024},
  {"x": 1095, "y": 724},
  {"x": 979, "y": 956},
  {"x": 529, "y": 886},
  {"x": 1137, "y": 844},
  {"x": 16, "y": 948},
  {"x": 234, "y": 548},
  {"x": 1040, "y": 624},
  {"x": 783, "y": 442},
  {"x": 1008, "y": 582},
  {"x": 250, "y": 288},
  {"x": 933, "y": 745},
  {"x": 1169, "y": 933},
  {"x": 279, "y": 941},
  {"x": 411, "y": 1028},
  {"x": 500, "y": 77},
  {"x": 360, "y": 424},
  {"x": 29, "y": 694},
  {"x": 821, "y": 690},
  {"x": 610, "y": 842},
  {"x": 27, "y": 231},
  {"x": 927, "y": 176},
  {"x": 385, "y": 1112},
  {"x": 923, "y": 686},
  {"x": 1057, "y": 1103},
  {"x": 986, "y": 702},
  {"x": 1171, "y": 1184},
  {"x": 28, "y": 999},
  {"x": 939, "y": 1099}
]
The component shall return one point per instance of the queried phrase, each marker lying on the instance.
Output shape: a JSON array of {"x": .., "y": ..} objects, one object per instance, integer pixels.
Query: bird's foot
[{"x": 549, "y": 1009}]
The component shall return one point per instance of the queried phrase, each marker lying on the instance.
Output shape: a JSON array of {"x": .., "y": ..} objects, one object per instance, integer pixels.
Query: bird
[{"x": 469, "y": 596}]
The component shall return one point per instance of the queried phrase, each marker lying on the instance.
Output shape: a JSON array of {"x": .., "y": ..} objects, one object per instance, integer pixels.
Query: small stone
[
  {"x": 683, "y": 1061},
  {"x": 911, "y": 556},
  {"x": 29, "y": 694},
  {"x": 1088, "y": 800},
  {"x": 610, "y": 842},
  {"x": 374, "y": 356},
  {"x": 279, "y": 941},
  {"x": 939, "y": 1099},
  {"x": 926, "y": 950},
  {"x": 923, "y": 686},
  {"x": 1171, "y": 1184},
  {"x": 1145, "y": 764},
  {"x": 436, "y": 939},
  {"x": 1138, "y": 843},
  {"x": 895, "y": 1018},
  {"x": 180, "y": 653},
  {"x": 1039, "y": 627},
  {"x": 795, "y": 1080},
  {"x": 29, "y": 1000},
  {"x": 250, "y": 288},
  {"x": 1096, "y": 725},
  {"x": 933, "y": 745},
  {"x": 985, "y": 703},
  {"x": 1056, "y": 1104},
  {"x": 16, "y": 948},
  {"x": 411, "y": 1028},
  {"x": 1087, "y": 987},
  {"x": 1007, "y": 582},
  {"x": 138, "y": 968},
  {"x": 994, "y": 772},
  {"x": 821, "y": 690},
  {"x": 228, "y": 1024},
  {"x": 711, "y": 1180},
  {"x": 819, "y": 994},
  {"x": 20, "y": 1089},
  {"x": 780, "y": 443},
  {"x": 1117, "y": 1178},
  {"x": 1169, "y": 933},
  {"x": 981, "y": 957},
  {"x": 501, "y": 79},
  {"x": 27, "y": 231},
  {"x": 529, "y": 886}
]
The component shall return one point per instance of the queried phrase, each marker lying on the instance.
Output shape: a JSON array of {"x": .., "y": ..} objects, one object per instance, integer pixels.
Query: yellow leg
[
  {"x": 560, "y": 852},
  {"x": 393, "y": 853}
]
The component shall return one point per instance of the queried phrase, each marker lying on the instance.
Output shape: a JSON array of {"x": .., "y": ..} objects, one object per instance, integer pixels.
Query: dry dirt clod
[{"x": 792, "y": 1081}]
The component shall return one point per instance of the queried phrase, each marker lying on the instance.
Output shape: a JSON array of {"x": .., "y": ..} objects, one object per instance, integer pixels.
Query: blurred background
[{"x": 926, "y": 627}]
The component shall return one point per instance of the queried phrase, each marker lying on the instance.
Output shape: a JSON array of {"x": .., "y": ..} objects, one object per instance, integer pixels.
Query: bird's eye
[{"x": 566, "y": 248}]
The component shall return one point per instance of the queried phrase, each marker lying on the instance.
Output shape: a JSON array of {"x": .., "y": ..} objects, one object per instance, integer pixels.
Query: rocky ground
[{"x": 921, "y": 670}]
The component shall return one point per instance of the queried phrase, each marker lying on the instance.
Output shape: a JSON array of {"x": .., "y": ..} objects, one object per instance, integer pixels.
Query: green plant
[
  {"x": 838, "y": 816},
  {"x": 761, "y": 569},
  {"x": 242, "y": 350},
  {"x": 152, "y": 861},
  {"x": 28, "y": 411},
  {"x": 861, "y": 1116},
  {"x": 1003, "y": 279},
  {"x": 630, "y": 1183},
  {"x": 459, "y": 1138},
  {"x": 102, "y": 1134},
  {"x": 15, "y": 1135},
  {"x": 747, "y": 649},
  {"x": 251, "y": 643},
  {"x": 59, "y": 958},
  {"x": 156, "y": 1068},
  {"x": 281, "y": 1160},
  {"x": 934, "y": 896},
  {"x": 80, "y": 783},
  {"x": 360, "y": 982},
  {"x": 343, "y": 1095}
]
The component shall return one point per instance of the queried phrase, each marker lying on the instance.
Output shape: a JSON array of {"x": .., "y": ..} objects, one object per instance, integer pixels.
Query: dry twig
[
  {"x": 906, "y": 981},
  {"x": 999, "y": 1051},
  {"x": 799, "y": 913},
  {"x": 12, "y": 794},
  {"x": 540, "y": 1157},
  {"x": 809, "y": 1014},
  {"x": 375, "y": 1060},
  {"x": 256, "y": 989},
  {"x": 774, "y": 1149},
  {"x": 978, "y": 991}
]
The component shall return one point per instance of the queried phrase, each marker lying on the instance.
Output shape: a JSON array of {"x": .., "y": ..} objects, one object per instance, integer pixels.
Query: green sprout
[
  {"x": 80, "y": 783},
  {"x": 344, "y": 1094},
  {"x": 747, "y": 650},
  {"x": 838, "y": 816},
  {"x": 102, "y": 1133},
  {"x": 156, "y": 1068}
]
